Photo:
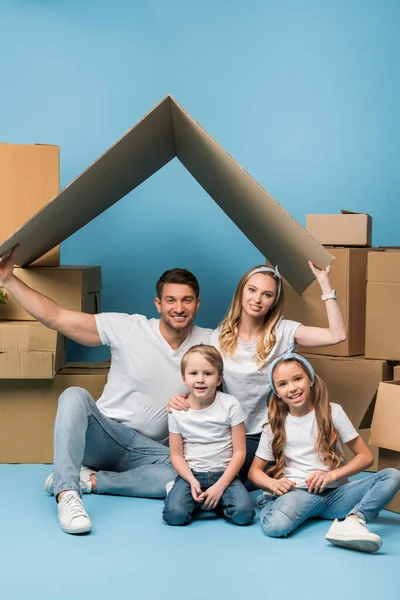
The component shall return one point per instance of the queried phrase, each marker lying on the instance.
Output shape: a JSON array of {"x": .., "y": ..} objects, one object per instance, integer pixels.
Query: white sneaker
[
  {"x": 169, "y": 486},
  {"x": 72, "y": 515},
  {"x": 353, "y": 533},
  {"x": 84, "y": 481}
]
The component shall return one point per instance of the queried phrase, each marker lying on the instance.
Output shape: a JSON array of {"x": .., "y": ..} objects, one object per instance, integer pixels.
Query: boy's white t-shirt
[
  {"x": 144, "y": 372},
  {"x": 249, "y": 383},
  {"x": 301, "y": 460},
  {"x": 206, "y": 433}
]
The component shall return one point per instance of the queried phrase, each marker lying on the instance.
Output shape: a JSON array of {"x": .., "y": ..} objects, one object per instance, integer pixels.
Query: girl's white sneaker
[{"x": 353, "y": 533}]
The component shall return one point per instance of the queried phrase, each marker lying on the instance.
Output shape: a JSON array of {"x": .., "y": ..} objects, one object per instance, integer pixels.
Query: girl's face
[
  {"x": 259, "y": 295},
  {"x": 294, "y": 387}
]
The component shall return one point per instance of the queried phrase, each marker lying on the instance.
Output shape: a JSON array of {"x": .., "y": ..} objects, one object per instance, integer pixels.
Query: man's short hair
[{"x": 182, "y": 276}]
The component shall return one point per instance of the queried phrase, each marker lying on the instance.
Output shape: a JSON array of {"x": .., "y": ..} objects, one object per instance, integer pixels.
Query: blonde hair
[
  {"x": 229, "y": 327},
  {"x": 210, "y": 353},
  {"x": 327, "y": 443}
]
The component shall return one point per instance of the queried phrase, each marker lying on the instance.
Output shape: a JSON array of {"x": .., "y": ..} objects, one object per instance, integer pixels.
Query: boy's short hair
[
  {"x": 210, "y": 353},
  {"x": 181, "y": 276}
]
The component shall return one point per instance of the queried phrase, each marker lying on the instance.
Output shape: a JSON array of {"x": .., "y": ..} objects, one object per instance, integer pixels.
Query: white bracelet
[{"x": 331, "y": 296}]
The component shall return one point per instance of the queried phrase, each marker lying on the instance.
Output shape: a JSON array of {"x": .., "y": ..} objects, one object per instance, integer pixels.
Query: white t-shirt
[
  {"x": 248, "y": 383},
  {"x": 301, "y": 460},
  {"x": 206, "y": 433},
  {"x": 144, "y": 373}
]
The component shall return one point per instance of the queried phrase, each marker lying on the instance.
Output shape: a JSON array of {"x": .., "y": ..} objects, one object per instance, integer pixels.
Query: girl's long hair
[
  {"x": 327, "y": 444},
  {"x": 228, "y": 336}
]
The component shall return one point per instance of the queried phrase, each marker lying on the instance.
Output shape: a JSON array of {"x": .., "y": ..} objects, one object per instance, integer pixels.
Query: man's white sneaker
[
  {"x": 169, "y": 486},
  {"x": 353, "y": 533},
  {"x": 84, "y": 481},
  {"x": 72, "y": 515}
]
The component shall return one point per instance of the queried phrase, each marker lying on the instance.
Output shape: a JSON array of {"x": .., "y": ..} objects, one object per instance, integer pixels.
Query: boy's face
[{"x": 201, "y": 377}]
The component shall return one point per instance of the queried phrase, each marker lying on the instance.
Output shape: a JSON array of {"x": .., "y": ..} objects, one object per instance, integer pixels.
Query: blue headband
[
  {"x": 276, "y": 275},
  {"x": 289, "y": 355}
]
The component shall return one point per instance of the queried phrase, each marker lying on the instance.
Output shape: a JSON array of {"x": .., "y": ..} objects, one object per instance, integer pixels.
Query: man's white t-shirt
[
  {"x": 206, "y": 433},
  {"x": 301, "y": 460},
  {"x": 249, "y": 383},
  {"x": 144, "y": 372}
]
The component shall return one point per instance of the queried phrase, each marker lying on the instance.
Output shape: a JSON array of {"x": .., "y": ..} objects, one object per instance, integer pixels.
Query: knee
[
  {"x": 393, "y": 475},
  {"x": 74, "y": 399},
  {"x": 276, "y": 524},
  {"x": 176, "y": 515},
  {"x": 243, "y": 513}
]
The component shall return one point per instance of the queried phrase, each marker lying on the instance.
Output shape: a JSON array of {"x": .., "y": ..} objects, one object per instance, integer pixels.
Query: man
[{"x": 121, "y": 438}]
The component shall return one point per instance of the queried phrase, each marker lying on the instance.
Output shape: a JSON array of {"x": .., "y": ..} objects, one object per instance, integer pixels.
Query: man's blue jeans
[
  {"x": 128, "y": 464},
  {"x": 280, "y": 515},
  {"x": 235, "y": 504}
]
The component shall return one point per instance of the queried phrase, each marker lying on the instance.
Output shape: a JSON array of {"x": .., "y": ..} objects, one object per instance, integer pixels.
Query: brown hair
[
  {"x": 228, "y": 329},
  {"x": 210, "y": 353},
  {"x": 327, "y": 443},
  {"x": 181, "y": 276}
]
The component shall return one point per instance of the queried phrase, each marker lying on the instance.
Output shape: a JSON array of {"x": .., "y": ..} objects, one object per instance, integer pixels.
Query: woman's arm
[
  {"x": 336, "y": 330},
  {"x": 258, "y": 476},
  {"x": 180, "y": 465}
]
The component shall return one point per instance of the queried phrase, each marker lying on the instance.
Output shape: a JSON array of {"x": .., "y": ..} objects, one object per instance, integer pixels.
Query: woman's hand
[
  {"x": 322, "y": 275},
  {"x": 7, "y": 262},
  {"x": 178, "y": 402}
]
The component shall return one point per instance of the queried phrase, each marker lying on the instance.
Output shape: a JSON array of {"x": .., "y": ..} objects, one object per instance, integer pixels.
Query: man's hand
[
  {"x": 196, "y": 491},
  {"x": 282, "y": 486},
  {"x": 318, "y": 481},
  {"x": 7, "y": 263},
  {"x": 178, "y": 402},
  {"x": 212, "y": 495}
]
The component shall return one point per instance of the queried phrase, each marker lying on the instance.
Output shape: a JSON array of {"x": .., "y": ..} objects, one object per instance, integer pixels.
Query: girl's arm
[
  {"x": 258, "y": 476},
  {"x": 361, "y": 461},
  {"x": 336, "y": 330},
  {"x": 180, "y": 465},
  {"x": 213, "y": 494}
]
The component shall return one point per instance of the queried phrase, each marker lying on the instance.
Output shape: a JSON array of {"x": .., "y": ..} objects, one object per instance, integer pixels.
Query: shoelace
[{"x": 74, "y": 507}]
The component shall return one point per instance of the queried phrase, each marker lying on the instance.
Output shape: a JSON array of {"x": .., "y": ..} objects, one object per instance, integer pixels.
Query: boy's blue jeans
[
  {"x": 128, "y": 464},
  {"x": 280, "y": 515},
  {"x": 235, "y": 504}
]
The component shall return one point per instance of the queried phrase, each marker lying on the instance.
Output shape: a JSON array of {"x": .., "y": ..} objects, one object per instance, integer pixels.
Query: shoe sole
[
  {"x": 79, "y": 530},
  {"x": 47, "y": 484},
  {"x": 361, "y": 545}
]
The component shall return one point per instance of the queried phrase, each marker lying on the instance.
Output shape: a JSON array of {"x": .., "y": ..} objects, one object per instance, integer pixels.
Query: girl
[
  {"x": 304, "y": 436},
  {"x": 207, "y": 445},
  {"x": 254, "y": 333}
]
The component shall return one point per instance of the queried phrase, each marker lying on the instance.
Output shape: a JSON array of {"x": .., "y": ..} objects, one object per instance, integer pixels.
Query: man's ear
[
  {"x": 198, "y": 303},
  {"x": 157, "y": 303}
]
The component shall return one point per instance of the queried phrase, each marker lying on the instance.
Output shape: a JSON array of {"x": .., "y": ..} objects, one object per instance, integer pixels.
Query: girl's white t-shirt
[
  {"x": 206, "y": 433},
  {"x": 249, "y": 383},
  {"x": 144, "y": 373},
  {"x": 301, "y": 460}
]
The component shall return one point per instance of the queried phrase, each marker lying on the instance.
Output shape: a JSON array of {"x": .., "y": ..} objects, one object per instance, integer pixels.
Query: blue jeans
[
  {"x": 235, "y": 504},
  {"x": 280, "y": 515},
  {"x": 128, "y": 464}
]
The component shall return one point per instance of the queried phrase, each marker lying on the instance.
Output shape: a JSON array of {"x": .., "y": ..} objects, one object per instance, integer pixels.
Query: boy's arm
[
  {"x": 213, "y": 494},
  {"x": 180, "y": 465}
]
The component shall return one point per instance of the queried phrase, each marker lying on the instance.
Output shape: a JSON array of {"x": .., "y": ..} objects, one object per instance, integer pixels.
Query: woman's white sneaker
[
  {"x": 72, "y": 515},
  {"x": 353, "y": 533}
]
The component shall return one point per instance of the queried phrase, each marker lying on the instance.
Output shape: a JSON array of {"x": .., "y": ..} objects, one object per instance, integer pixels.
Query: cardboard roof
[{"x": 165, "y": 132}]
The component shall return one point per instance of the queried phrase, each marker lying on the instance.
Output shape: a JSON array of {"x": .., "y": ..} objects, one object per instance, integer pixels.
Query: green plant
[{"x": 3, "y": 296}]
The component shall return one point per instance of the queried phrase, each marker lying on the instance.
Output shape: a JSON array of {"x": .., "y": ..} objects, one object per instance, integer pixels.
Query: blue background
[{"x": 305, "y": 95}]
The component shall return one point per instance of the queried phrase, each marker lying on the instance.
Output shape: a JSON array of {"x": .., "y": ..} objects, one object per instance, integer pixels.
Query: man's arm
[{"x": 80, "y": 327}]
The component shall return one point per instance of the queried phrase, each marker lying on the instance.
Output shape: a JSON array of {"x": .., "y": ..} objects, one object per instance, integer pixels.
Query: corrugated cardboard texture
[
  {"x": 169, "y": 131},
  {"x": 29, "y": 178},
  {"x": 348, "y": 277},
  {"x": 28, "y": 409},
  {"x": 390, "y": 460},
  {"x": 352, "y": 383},
  {"x": 382, "y": 333},
  {"x": 365, "y": 435},
  {"x": 385, "y": 428},
  {"x": 73, "y": 287},
  {"x": 341, "y": 230}
]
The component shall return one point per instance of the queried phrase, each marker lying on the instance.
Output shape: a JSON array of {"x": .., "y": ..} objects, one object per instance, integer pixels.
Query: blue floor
[{"x": 131, "y": 553}]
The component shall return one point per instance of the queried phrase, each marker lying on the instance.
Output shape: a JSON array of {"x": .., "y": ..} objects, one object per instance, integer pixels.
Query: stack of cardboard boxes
[
  {"x": 32, "y": 357},
  {"x": 367, "y": 282}
]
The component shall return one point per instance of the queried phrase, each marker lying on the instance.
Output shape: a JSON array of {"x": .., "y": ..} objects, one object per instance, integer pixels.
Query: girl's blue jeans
[{"x": 280, "y": 515}]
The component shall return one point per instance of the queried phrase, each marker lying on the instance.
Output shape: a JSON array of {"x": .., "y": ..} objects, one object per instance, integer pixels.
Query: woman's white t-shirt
[
  {"x": 244, "y": 380},
  {"x": 301, "y": 460}
]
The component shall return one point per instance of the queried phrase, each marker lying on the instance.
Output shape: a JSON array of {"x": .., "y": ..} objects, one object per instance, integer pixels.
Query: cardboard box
[
  {"x": 382, "y": 334},
  {"x": 166, "y": 132},
  {"x": 346, "y": 229},
  {"x": 73, "y": 287},
  {"x": 29, "y": 178},
  {"x": 28, "y": 409},
  {"x": 388, "y": 459},
  {"x": 396, "y": 372},
  {"x": 348, "y": 277},
  {"x": 29, "y": 350},
  {"x": 353, "y": 383}
]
